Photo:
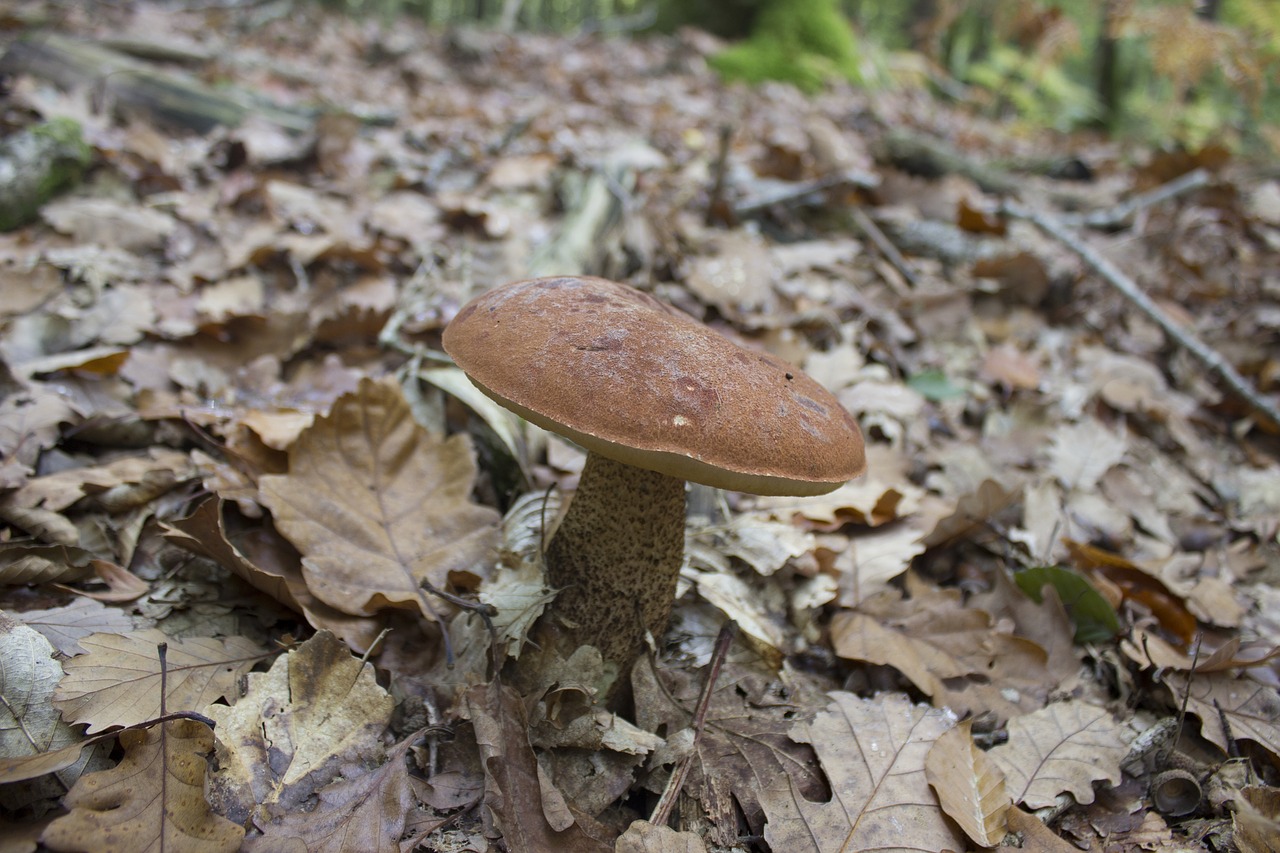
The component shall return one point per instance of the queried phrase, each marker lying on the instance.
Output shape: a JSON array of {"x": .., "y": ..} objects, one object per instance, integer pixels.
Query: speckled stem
[{"x": 616, "y": 558}]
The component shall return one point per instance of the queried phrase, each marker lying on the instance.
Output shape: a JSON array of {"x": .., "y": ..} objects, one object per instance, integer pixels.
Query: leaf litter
[{"x": 225, "y": 429}]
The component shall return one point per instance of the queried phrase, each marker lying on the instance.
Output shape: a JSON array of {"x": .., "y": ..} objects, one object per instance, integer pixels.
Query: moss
[
  {"x": 803, "y": 42},
  {"x": 39, "y": 163}
]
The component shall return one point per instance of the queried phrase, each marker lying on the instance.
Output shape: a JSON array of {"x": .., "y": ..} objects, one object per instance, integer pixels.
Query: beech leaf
[
  {"x": 377, "y": 505},
  {"x": 969, "y": 785},
  {"x": 1063, "y": 748},
  {"x": 117, "y": 682},
  {"x": 873, "y": 751},
  {"x": 153, "y": 800}
]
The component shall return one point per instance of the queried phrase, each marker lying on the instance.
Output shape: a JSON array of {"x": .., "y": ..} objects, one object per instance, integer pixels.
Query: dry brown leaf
[
  {"x": 645, "y": 837},
  {"x": 65, "y": 626},
  {"x": 527, "y": 813},
  {"x": 152, "y": 801},
  {"x": 29, "y": 421},
  {"x": 1256, "y": 820},
  {"x": 364, "y": 810},
  {"x": 954, "y": 653},
  {"x": 1063, "y": 748},
  {"x": 744, "y": 744},
  {"x": 262, "y": 558},
  {"x": 315, "y": 710},
  {"x": 1036, "y": 836},
  {"x": 1250, "y": 708},
  {"x": 969, "y": 785},
  {"x": 873, "y": 751},
  {"x": 117, "y": 681},
  {"x": 122, "y": 584},
  {"x": 35, "y": 563},
  {"x": 377, "y": 505},
  {"x": 34, "y": 740}
]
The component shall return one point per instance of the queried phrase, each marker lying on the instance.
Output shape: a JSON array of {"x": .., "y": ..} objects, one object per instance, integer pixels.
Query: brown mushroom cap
[{"x": 631, "y": 378}]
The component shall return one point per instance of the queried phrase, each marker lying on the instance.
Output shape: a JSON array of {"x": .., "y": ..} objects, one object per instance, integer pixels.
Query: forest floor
[{"x": 1048, "y": 616}]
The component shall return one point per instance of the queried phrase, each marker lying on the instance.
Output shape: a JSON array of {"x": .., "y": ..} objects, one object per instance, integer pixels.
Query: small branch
[
  {"x": 662, "y": 811},
  {"x": 886, "y": 247},
  {"x": 801, "y": 192},
  {"x": 1210, "y": 358},
  {"x": 1121, "y": 213}
]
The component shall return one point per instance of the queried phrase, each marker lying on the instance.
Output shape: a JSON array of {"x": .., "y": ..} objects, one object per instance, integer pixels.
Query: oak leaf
[
  {"x": 117, "y": 682},
  {"x": 153, "y": 800},
  {"x": 1249, "y": 707},
  {"x": 1063, "y": 748},
  {"x": 873, "y": 751},
  {"x": 377, "y": 505}
]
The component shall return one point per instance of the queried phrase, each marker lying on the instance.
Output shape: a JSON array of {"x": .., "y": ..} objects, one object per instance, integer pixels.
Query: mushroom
[{"x": 656, "y": 398}]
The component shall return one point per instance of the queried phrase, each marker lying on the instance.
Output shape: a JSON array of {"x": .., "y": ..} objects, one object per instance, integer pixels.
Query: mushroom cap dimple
[{"x": 629, "y": 377}]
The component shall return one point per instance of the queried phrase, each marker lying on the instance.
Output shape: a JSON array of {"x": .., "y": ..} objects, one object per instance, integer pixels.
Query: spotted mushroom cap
[{"x": 631, "y": 378}]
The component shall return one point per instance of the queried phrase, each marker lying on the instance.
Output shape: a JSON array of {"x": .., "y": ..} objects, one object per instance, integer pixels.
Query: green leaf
[
  {"x": 1095, "y": 619},
  {"x": 934, "y": 385}
]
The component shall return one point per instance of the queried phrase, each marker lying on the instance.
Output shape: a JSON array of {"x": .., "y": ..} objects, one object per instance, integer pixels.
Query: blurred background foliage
[{"x": 1186, "y": 72}]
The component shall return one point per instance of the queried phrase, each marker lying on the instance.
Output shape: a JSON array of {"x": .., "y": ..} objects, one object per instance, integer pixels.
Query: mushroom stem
[{"x": 615, "y": 558}]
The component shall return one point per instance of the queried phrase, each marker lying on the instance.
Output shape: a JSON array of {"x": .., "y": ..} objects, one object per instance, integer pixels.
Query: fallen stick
[
  {"x": 1128, "y": 288},
  {"x": 1122, "y": 212}
]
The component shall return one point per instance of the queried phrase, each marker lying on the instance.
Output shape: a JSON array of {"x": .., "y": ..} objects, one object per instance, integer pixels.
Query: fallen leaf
[
  {"x": 744, "y": 741},
  {"x": 117, "y": 681},
  {"x": 1062, "y": 748},
  {"x": 65, "y": 626},
  {"x": 364, "y": 810},
  {"x": 955, "y": 654},
  {"x": 513, "y": 791},
  {"x": 1251, "y": 709},
  {"x": 315, "y": 710},
  {"x": 874, "y": 752},
  {"x": 1080, "y": 453},
  {"x": 152, "y": 801},
  {"x": 376, "y": 505},
  {"x": 969, "y": 785},
  {"x": 645, "y": 837},
  {"x": 34, "y": 740}
]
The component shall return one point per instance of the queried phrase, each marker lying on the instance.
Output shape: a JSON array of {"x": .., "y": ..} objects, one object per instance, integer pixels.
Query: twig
[
  {"x": 717, "y": 211},
  {"x": 801, "y": 191},
  {"x": 1121, "y": 213},
  {"x": 886, "y": 247},
  {"x": 662, "y": 811},
  {"x": 1210, "y": 358}
]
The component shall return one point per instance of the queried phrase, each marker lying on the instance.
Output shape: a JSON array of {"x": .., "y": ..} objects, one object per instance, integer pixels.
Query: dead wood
[
  {"x": 170, "y": 99},
  {"x": 1110, "y": 273}
]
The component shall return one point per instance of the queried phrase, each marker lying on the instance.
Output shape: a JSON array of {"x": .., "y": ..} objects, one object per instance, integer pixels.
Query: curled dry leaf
[
  {"x": 969, "y": 785},
  {"x": 117, "y": 682},
  {"x": 873, "y": 751},
  {"x": 152, "y": 801},
  {"x": 1063, "y": 748},
  {"x": 377, "y": 505},
  {"x": 315, "y": 710}
]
